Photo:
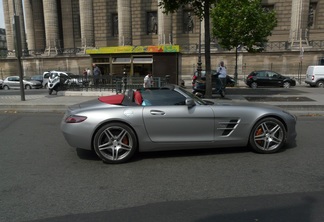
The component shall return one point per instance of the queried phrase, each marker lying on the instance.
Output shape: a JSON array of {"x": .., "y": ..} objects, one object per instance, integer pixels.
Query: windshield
[{"x": 192, "y": 96}]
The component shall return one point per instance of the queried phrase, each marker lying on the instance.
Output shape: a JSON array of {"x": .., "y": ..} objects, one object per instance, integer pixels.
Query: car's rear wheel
[
  {"x": 115, "y": 143},
  {"x": 286, "y": 85},
  {"x": 268, "y": 135},
  {"x": 254, "y": 85},
  {"x": 320, "y": 84},
  {"x": 6, "y": 87}
]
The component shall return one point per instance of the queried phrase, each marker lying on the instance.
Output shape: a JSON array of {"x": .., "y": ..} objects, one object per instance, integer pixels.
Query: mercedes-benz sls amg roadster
[{"x": 171, "y": 118}]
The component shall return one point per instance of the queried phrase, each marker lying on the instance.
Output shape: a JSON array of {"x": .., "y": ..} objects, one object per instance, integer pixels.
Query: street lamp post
[
  {"x": 199, "y": 52},
  {"x": 124, "y": 80}
]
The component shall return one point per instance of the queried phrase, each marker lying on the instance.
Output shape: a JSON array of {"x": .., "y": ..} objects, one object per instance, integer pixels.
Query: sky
[{"x": 2, "y": 25}]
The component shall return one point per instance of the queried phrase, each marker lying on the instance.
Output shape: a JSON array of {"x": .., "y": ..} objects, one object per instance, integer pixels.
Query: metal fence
[{"x": 111, "y": 83}]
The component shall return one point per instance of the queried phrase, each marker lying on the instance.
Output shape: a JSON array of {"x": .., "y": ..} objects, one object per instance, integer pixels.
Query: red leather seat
[{"x": 138, "y": 98}]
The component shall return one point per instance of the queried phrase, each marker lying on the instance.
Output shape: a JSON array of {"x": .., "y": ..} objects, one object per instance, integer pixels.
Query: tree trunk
[{"x": 207, "y": 51}]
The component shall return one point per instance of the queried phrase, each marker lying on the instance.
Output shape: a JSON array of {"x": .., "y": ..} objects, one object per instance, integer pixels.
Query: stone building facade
[{"x": 136, "y": 37}]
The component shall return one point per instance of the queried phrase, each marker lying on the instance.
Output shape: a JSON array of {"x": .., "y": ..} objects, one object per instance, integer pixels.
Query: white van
[{"x": 315, "y": 76}]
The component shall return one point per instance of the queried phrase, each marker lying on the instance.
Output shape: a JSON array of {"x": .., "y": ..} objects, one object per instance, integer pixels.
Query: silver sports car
[{"x": 171, "y": 118}]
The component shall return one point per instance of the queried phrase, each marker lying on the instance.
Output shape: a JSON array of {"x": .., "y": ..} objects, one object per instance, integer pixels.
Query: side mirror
[{"x": 190, "y": 103}]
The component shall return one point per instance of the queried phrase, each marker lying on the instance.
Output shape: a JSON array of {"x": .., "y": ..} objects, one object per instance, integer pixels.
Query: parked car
[
  {"x": 13, "y": 82},
  {"x": 1, "y": 81},
  {"x": 315, "y": 76},
  {"x": 230, "y": 82},
  {"x": 267, "y": 78},
  {"x": 46, "y": 75},
  {"x": 37, "y": 78},
  {"x": 172, "y": 118}
]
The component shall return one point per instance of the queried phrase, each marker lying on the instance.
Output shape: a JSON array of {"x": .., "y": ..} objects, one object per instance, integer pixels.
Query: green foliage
[
  {"x": 242, "y": 23},
  {"x": 197, "y": 6}
]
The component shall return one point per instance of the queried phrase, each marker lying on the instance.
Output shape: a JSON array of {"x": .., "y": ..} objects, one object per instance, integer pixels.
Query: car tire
[
  {"x": 286, "y": 85},
  {"x": 115, "y": 143},
  {"x": 254, "y": 85},
  {"x": 320, "y": 84},
  {"x": 28, "y": 87},
  {"x": 268, "y": 136},
  {"x": 6, "y": 87}
]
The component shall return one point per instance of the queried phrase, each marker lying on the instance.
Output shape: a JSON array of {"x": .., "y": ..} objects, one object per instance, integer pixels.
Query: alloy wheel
[
  {"x": 268, "y": 136},
  {"x": 115, "y": 143}
]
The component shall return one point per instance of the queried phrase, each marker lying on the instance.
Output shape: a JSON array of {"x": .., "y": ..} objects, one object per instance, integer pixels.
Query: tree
[
  {"x": 242, "y": 24},
  {"x": 201, "y": 9}
]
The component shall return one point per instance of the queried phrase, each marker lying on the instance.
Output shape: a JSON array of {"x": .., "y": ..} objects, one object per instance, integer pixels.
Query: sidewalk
[{"x": 300, "y": 99}]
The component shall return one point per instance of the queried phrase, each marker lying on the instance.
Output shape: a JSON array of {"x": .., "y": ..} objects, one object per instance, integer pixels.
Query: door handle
[{"x": 157, "y": 112}]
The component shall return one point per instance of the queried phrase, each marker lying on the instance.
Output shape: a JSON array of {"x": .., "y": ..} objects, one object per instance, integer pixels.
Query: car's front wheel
[
  {"x": 28, "y": 87},
  {"x": 286, "y": 85},
  {"x": 6, "y": 87},
  {"x": 268, "y": 135},
  {"x": 115, "y": 143}
]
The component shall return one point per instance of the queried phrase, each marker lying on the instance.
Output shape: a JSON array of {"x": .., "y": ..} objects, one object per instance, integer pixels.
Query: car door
[
  {"x": 14, "y": 82},
  {"x": 262, "y": 79},
  {"x": 275, "y": 79},
  {"x": 179, "y": 123}
]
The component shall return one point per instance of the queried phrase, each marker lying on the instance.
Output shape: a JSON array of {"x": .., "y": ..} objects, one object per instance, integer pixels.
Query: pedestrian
[
  {"x": 88, "y": 72},
  {"x": 222, "y": 73},
  {"x": 85, "y": 74},
  {"x": 148, "y": 81},
  {"x": 96, "y": 74}
]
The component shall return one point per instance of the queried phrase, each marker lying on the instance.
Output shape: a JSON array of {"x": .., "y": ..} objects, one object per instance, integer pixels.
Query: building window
[
  {"x": 268, "y": 8},
  {"x": 121, "y": 60},
  {"x": 152, "y": 23},
  {"x": 312, "y": 15},
  {"x": 142, "y": 60},
  {"x": 114, "y": 25}
]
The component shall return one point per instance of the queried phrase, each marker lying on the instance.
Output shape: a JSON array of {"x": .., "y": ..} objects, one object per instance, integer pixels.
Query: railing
[{"x": 110, "y": 83}]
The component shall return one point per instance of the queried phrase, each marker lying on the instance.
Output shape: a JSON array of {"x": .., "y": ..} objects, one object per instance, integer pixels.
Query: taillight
[
  {"x": 250, "y": 77},
  {"x": 313, "y": 77},
  {"x": 75, "y": 119}
]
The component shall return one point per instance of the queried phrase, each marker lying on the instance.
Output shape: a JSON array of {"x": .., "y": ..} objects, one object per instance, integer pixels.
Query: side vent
[{"x": 228, "y": 127}]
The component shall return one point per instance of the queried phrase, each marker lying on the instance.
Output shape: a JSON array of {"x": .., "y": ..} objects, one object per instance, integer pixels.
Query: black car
[{"x": 267, "y": 78}]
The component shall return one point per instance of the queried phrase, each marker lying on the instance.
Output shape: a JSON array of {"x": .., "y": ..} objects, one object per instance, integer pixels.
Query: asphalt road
[{"x": 43, "y": 179}]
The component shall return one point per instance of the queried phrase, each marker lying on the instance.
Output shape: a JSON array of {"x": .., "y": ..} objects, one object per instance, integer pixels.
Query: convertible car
[{"x": 171, "y": 118}]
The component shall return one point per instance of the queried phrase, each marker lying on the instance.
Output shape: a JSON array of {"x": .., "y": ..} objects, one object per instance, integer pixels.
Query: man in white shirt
[
  {"x": 148, "y": 81},
  {"x": 221, "y": 70}
]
